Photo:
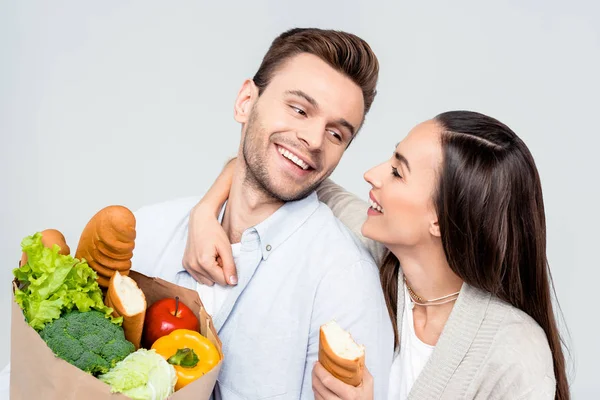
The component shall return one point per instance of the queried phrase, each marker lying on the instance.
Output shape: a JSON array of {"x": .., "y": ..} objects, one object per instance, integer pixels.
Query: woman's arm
[
  {"x": 208, "y": 256},
  {"x": 352, "y": 211}
]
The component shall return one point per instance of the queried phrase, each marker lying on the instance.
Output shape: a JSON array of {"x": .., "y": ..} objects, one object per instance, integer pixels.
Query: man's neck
[{"x": 247, "y": 205}]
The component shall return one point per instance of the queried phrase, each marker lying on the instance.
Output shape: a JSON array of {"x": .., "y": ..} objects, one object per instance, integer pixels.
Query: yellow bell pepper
[{"x": 189, "y": 352}]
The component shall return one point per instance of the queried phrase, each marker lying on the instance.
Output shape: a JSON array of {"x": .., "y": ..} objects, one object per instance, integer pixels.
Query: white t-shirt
[
  {"x": 412, "y": 357},
  {"x": 214, "y": 296}
]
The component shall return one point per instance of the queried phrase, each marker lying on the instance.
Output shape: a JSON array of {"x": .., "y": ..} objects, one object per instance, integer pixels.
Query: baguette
[
  {"x": 107, "y": 242},
  {"x": 50, "y": 237},
  {"x": 128, "y": 301},
  {"x": 340, "y": 355}
]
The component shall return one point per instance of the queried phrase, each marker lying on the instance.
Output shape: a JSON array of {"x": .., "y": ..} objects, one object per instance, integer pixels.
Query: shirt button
[{"x": 268, "y": 247}]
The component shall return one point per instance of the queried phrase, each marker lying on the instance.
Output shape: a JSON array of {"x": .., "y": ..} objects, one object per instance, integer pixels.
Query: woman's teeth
[
  {"x": 375, "y": 206},
  {"x": 293, "y": 158}
]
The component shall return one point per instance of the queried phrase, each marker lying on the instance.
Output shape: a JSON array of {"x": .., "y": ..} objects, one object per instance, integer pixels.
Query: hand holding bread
[
  {"x": 340, "y": 354},
  {"x": 340, "y": 372}
]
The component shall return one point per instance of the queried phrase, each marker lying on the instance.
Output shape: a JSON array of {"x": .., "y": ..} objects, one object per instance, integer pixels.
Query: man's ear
[
  {"x": 246, "y": 98},
  {"x": 434, "y": 228}
]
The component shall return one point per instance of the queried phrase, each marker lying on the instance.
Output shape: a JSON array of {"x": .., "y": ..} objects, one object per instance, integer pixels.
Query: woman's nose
[{"x": 373, "y": 176}]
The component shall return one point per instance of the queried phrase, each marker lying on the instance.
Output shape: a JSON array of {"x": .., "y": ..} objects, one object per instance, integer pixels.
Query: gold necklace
[{"x": 433, "y": 302}]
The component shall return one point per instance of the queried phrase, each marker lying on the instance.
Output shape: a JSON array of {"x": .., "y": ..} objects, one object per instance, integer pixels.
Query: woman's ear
[
  {"x": 245, "y": 100},
  {"x": 434, "y": 228}
]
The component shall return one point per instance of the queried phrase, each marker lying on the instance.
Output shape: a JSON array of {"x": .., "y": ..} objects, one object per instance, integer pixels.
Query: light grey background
[{"x": 131, "y": 103}]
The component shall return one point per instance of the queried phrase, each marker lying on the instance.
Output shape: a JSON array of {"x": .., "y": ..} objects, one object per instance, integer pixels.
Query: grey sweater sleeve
[{"x": 352, "y": 211}]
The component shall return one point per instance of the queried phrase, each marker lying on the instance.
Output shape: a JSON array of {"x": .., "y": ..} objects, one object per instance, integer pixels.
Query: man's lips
[{"x": 302, "y": 161}]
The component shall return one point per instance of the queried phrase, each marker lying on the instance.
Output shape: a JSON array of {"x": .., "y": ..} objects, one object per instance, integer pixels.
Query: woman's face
[{"x": 402, "y": 212}]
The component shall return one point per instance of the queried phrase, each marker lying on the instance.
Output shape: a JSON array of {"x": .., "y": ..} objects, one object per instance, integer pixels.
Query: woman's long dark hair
[{"x": 492, "y": 223}]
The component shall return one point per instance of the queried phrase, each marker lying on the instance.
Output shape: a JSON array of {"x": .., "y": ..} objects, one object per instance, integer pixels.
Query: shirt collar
[{"x": 276, "y": 229}]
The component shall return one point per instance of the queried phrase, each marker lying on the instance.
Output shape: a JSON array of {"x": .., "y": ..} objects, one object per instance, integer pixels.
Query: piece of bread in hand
[
  {"x": 128, "y": 301},
  {"x": 340, "y": 354},
  {"x": 50, "y": 237},
  {"x": 107, "y": 242}
]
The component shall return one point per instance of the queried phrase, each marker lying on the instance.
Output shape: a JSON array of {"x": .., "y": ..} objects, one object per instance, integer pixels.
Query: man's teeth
[
  {"x": 293, "y": 158},
  {"x": 375, "y": 206}
]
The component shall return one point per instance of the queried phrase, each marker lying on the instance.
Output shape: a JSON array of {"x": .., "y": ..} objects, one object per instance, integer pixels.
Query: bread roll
[
  {"x": 340, "y": 355},
  {"x": 128, "y": 301},
  {"x": 50, "y": 237},
  {"x": 107, "y": 242}
]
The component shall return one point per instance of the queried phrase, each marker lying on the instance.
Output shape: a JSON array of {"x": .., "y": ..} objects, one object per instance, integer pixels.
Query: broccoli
[{"x": 88, "y": 340}]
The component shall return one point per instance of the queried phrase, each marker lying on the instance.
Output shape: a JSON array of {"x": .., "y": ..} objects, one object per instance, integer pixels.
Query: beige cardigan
[{"x": 488, "y": 348}]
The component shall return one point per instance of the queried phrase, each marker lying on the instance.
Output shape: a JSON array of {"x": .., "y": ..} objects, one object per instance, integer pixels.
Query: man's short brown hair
[{"x": 343, "y": 51}]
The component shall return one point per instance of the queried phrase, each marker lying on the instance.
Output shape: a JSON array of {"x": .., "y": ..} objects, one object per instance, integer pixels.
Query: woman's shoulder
[
  {"x": 520, "y": 341},
  {"x": 510, "y": 354}
]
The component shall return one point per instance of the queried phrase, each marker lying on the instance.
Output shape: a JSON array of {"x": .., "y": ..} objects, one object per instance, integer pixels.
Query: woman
[{"x": 459, "y": 208}]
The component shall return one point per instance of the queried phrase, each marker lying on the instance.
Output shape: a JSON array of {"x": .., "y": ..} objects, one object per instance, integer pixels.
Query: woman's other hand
[{"x": 327, "y": 387}]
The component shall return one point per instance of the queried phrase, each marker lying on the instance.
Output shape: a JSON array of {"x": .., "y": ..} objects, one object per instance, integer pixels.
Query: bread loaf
[{"x": 107, "y": 242}]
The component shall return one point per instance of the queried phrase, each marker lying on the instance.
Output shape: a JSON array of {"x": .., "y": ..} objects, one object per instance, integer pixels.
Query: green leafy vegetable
[
  {"x": 143, "y": 375},
  {"x": 51, "y": 284}
]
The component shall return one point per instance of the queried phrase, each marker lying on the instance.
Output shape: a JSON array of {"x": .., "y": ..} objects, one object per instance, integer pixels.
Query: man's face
[{"x": 296, "y": 132}]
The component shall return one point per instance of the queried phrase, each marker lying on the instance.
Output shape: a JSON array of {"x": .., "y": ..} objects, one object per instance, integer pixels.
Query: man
[{"x": 298, "y": 266}]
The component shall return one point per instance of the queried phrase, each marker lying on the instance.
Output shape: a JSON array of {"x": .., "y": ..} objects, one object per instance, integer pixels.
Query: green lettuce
[
  {"x": 51, "y": 284},
  {"x": 143, "y": 375}
]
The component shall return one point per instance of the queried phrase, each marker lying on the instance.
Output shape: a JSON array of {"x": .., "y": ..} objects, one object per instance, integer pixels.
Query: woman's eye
[
  {"x": 299, "y": 111},
  {"x": 395, "y": 172}
]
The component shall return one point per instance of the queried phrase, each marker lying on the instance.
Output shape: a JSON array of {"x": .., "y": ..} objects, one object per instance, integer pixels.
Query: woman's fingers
[
  {"x": 320, "y": 390},
  {"x": 329, "y": 387},
  {"x": 208, "y": 257},
  {"x": 339, "y": 388},
  {"x": 225, "y": 260}
]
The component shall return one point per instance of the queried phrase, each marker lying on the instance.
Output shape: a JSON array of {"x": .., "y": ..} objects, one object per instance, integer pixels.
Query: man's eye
[
  {"x": 336, "y": 135},
  {"x": 299, "y": 111},
  {"x": 395, "y": 172}
]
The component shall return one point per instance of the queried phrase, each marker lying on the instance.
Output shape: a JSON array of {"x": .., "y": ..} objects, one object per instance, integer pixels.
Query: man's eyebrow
[
  {"x": 305, "y": 96},
  {"x": 402, "y": 159}
]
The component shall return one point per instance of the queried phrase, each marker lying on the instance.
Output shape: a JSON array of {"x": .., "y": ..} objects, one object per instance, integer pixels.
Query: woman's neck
[
  {"x": 427, "y": 271},
  {"x": 428, "y": 274}
]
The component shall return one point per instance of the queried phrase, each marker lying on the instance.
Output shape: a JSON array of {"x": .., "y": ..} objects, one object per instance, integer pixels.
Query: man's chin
[
  {"x": 283, "y": 188},
  {"x": 291, "y": 194}
]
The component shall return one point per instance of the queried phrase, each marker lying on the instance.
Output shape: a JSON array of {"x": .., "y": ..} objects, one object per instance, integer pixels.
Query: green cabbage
[
  {"x": 51, "y": 284},
  {"x": 143, "y": 375}
]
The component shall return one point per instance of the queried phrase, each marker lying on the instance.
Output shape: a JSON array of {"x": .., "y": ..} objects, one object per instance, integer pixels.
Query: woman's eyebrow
[{"x": 402, "y": 159}]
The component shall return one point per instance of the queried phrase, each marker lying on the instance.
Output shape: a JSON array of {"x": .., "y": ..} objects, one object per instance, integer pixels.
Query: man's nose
[{"x": 312, "y": 137}]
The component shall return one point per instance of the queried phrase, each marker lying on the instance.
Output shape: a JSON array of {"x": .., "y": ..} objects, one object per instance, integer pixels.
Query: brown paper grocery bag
[{"x": 37, "y": 374}]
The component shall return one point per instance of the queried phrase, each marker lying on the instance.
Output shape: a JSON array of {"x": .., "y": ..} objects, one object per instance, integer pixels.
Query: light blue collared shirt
[{"x": 297, "y": 270}]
